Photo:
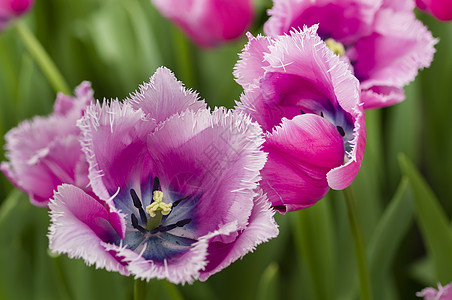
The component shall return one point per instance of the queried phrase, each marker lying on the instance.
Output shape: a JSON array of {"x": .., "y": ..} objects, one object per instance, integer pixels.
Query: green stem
[
  {"x": 139, "y": 289},
  {"x": 42, "y": 58},
  {"x": 360, "y": 248}
]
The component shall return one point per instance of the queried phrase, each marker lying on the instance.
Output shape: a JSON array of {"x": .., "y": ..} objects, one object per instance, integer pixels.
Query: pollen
[
  {"x": 336, "y": 47},
  {"x": 158, "y": 205}
]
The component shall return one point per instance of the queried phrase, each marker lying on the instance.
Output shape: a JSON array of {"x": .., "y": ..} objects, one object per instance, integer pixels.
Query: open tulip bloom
[
  {"x": 45, "y": 152},
  {"x": 382, "y": 40},
  {"x": 176, "y": 193},
  {"x": 308, "y": 104}
]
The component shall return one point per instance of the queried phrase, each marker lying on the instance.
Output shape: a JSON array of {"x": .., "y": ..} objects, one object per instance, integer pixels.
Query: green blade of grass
[
  {"x": 432, "y": 221},
  {"x": 388, "y": 236}
]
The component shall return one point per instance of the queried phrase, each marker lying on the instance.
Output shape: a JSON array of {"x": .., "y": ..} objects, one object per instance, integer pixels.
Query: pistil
[
  {"x": 156, "y": 210},
  {"x": 335, "y": 46}
]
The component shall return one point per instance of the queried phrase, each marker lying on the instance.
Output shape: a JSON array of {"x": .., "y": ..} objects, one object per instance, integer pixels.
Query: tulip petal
[
  {"x": 80, "y": 225},
  {"x": 301, "y": 152}
]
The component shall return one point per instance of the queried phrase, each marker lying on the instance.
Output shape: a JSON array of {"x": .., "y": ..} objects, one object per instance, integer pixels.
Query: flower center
[
  {"x": 156, "y": 210},
  {"x": 335, "y": 46}
]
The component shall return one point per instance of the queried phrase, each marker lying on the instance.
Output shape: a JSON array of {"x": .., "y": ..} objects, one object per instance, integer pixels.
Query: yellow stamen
[
  {"x": 158, "y": 205},
  {"x": 336, "y": 47}
]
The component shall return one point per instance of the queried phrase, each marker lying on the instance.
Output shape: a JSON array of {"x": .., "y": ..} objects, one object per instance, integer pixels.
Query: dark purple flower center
[
  {"x": 150, "y": 229},
  {"x": 155, "y": 229}
]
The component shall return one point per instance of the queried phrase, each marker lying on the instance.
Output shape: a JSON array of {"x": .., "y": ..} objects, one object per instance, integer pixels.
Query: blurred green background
[{"x": 404, "y": 200}]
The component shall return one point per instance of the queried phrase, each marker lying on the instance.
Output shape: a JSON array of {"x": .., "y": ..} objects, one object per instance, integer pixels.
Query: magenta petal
[
  {"x": 80, "y": 225},
  {"x": 301, "y": 152},
  {"x": 209, "y": 22},
  {"x": 343, "y": 20},
  {"x": 261, "y": 228},
  {"x": 114, "y": 141},
  {"x": 382, "y": 96},
  {"x": 422, "y": 5},
  {"x": 399, "y": 5},
  {"x": 392, "y": 55},
  {"x": 164, "y": 96},
  {"x": 66, "y": 105},
  {"x": 441, "y": 9},
  {"x": 10, "y": 9},
  {"x": 250, "y": 68},
  {"x": 299, "y": 71},
  {"x": 342, "y": 176},
  {"x": 215, "y": 156}
]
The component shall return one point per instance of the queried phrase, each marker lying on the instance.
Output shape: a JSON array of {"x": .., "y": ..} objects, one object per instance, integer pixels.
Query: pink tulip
[
  {"x": 209, "y": 22},
  {"x": 440, "y": 9},
  {"x": 45, "y": 152},
  {"x": 308, "y": 104},
  {"x": 10, "y": 9}
]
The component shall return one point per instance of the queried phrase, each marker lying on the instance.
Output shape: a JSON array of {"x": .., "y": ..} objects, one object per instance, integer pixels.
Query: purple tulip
[
  {"x": 440, "y": 9},
  {"x": 176, "y": 187},
  {"x": 307, "y": 102},
  {"x": 443, "y": 293},
  {"x": 209, "y": 22},
  {"x": 10, "y": 9},
  {"x": 45, "y": 152},
  {"x": 383, "y": 41}
]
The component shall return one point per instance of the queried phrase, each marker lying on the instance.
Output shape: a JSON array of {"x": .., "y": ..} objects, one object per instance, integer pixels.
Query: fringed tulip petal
[
  {"x": 80, "y": 225},
  {"x": 211, "y": 148},
  {"x": 391, "y": 56},
  {"x": 45, "y": 151},
  {"x": 249, "y": 68},
  {"x": 261, "y": 227},
  {"x": 114, "y": 139},
  {"x": 164, "y": 96}
]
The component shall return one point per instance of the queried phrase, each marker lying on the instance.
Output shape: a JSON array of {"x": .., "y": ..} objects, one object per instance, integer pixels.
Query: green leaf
[
  {"x": 432, "y": 221},
  {"x": 390, "y": 231}
]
